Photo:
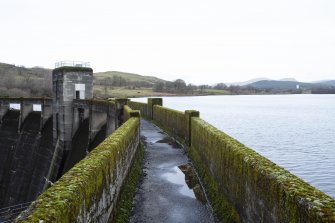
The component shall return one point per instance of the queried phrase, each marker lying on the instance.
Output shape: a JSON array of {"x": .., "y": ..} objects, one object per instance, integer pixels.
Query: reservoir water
[{"x": 295, "y": 131}]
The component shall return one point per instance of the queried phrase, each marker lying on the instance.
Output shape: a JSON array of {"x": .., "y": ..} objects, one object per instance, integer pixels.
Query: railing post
[
  {"x": 189, "y": 114},
  {"x": 151, "y": 103}
]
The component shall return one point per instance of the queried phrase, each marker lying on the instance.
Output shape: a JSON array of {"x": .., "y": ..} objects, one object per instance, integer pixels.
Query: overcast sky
[{"x": 206, "y": 41}]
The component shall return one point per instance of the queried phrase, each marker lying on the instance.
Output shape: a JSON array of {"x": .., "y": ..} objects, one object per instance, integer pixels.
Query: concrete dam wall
[
  {"x": 88, "y": 192},
  {"x": 25, "y": 149},
  {"x": 242, "y": 185},
  {"x": 30, "y": 161}
]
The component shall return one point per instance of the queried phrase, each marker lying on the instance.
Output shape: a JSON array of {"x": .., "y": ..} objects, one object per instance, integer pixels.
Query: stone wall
[
  {"x": 129, "y": 113},
  {"x": 242, "y": 185},
  {"x": 174, "y": 121},
  {"x": 142, "y": 107},
  {"x": 89, "y": 191}
]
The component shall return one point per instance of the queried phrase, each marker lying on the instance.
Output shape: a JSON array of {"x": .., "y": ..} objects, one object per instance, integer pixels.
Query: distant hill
[
  {"x": 130, "y": 77},
  {"x": 284, "y": 85},
  {"x": 329, "y": 83},
  {"x": 288, "y": 79},
  {"x": 18, "y": 81},
  {"x": 247, "y": 82}
]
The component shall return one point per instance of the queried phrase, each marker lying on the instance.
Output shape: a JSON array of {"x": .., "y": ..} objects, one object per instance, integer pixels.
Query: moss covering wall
[
  {"x": 125, "y": 202},
  {"x": 128, "y": 113},
  {"x": 88, "y": 192},
  {"x": 142, "y": 107},
  {"x": 245, "y": 186},
  {"x": 171, "y": 120}
]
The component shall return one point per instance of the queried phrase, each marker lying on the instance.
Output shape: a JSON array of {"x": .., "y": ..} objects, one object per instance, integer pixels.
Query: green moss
[
  {"x": 128, "y": 113},
  {"x": 84, "y": 183},
  {"x": 172, "y": 121},
  {"x": 73, "y": 69},
  {"x": 235, "y": 174},
  {"x": 222, "y": 207},
  {"x": 128, "y": 190},
  {"x": 101, "y": 102},
  {"x": 142, "y": 107}
]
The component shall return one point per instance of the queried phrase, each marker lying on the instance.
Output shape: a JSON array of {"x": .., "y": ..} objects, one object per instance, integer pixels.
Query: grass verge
[{"x": 125, "y": 202}]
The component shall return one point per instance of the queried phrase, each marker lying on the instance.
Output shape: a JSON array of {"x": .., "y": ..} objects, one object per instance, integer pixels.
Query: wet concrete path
[{"x": 163, "y": 194}]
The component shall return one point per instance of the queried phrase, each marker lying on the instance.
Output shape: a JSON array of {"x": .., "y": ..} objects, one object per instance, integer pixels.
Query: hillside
[
  {"x": 294, "y": 87},
  {"x": 128, "y": 76},
  {"x": 18, "y": 81},
  {"x": 329, "y": 83},
  {"x": 283, "y": 85}
]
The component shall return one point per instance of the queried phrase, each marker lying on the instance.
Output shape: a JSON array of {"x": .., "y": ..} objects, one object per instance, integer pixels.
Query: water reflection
[{"x": 185, "y": 176}]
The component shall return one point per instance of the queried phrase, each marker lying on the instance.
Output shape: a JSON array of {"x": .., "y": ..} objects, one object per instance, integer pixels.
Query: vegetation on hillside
[{"x": 18, "y": 81}]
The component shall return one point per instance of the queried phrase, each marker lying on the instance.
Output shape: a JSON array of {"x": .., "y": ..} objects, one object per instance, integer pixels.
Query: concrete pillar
[
  {"x": 189, "y": 114},
  {"x": 26, "y": 108},
  {"x": 46, "y": 112},
  {"x": 120, "y": 102},
  {"x": 98, "y": 120},
  {"x": 151, "y": 103},
  {"x": 4, "y": 106},
  {"x": 111, "y": 120}
]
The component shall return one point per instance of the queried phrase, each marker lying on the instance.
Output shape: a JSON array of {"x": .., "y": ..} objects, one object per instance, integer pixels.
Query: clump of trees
[
  {"x": 22, "y": 82},
  {"x": 177, "y": 86},
  {"x": 119, "y": 81}
]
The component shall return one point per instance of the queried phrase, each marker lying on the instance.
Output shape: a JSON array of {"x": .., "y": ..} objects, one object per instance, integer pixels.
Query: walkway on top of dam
[{"x": 169, "y": 190}]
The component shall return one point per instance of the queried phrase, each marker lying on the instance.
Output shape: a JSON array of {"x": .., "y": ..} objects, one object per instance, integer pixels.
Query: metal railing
[
  {"x": 8, "y": 214},
  {"x": 70, "y": 63}
]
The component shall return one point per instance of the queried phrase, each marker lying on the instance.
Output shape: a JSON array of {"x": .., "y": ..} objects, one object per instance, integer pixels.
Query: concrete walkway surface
[{"x": 169, "y": 190}]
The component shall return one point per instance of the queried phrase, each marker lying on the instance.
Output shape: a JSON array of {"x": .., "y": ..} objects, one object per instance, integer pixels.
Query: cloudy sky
[{"x": 205, "y": 41}]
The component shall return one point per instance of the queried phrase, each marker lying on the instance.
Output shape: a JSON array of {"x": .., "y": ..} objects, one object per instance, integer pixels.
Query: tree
[
  {"x": 159, "y": 87},
  {"x": 220, "y": 86}
]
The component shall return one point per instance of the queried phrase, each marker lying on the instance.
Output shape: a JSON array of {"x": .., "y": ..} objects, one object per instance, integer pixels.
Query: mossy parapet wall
[
  {"x": 171, "y": 120},
  {"x": 129, "y": 113},
  {"x": 142, "y": 107},
  {"x": 245, "y": 186},
  {"x": 88, "y": 192}
]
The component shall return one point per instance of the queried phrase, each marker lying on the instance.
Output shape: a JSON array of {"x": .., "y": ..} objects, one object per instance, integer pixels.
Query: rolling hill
[
  {"x": 128, "y": 76},
  {"x": 287, "y": 85}
]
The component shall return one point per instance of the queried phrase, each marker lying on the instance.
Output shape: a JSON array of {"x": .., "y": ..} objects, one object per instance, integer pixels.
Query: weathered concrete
[
  {"x": 24, "y": 157},
  {"x": 163, "y": 195}
]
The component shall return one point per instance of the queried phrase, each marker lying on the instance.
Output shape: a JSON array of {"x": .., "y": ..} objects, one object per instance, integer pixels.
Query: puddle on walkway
[
  {"x": 176, "y": 176},
  {"x": 185, "y": 175},
  {"x": 171, "y": 142}
]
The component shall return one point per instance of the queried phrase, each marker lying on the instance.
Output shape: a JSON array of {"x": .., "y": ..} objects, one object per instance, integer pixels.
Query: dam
[{"x": 78, "y": 153}]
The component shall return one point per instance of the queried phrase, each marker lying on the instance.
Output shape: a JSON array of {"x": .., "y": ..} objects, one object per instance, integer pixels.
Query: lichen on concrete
[
  {"x": 242, "y": 181},
  {"x": 125, "y": 202},
  {"x": 90, "y": 189}
]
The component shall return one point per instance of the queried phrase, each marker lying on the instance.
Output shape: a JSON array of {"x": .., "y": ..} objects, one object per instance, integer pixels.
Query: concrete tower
[{"x": 71, "y": 80}]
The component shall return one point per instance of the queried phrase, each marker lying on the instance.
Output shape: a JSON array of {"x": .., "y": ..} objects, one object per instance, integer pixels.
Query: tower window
[
  {"x": 80, "y": 91},
  {"x": 77, "y": 94}
]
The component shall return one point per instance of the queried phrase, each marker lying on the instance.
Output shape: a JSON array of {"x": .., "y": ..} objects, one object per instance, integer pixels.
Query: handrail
[{"x": 70, "y": 63}]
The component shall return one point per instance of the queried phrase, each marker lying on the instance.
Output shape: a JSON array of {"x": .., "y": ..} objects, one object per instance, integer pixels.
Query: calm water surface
[{"x": 294, "y": 131}]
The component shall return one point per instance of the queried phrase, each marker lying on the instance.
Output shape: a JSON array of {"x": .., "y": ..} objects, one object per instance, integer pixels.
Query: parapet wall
[
  {"x": 173, "y": 120},
  {"x": 88, "y": 192},
  {"x": 142, "y": 107},
  {"x": 258, "y": 189},
  {"x": 129, "y": 113},
  {"x": 242, "y": 185},
  {"x": 146, "y": 109}
]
